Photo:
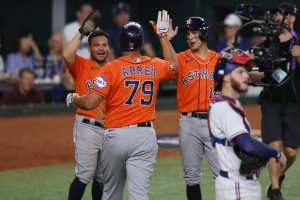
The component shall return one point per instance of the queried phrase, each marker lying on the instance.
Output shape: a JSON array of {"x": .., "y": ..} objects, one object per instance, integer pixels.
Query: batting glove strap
[
  {"x": 160, "y": 35},
  {"x": 69, "y": 99}
]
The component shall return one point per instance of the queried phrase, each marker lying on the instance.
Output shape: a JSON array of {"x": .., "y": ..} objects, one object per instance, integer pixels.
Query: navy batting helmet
[
  {"x": 132, "y": 36},
  {"x": 197, "y": 24}
]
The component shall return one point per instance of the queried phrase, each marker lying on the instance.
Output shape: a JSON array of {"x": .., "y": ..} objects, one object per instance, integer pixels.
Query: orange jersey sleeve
[
  {"x": 195, "y": 83},
  {"x": 83, "y": 71},
  {"x": 130, "y": 87},
  {"x": 167, "y": 71},
  {"x": 75, "y": 67},
  {"x": 102, "y": 82}
]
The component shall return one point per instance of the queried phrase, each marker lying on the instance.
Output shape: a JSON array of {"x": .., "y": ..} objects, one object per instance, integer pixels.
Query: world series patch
[{"x": 100, "y": 82}]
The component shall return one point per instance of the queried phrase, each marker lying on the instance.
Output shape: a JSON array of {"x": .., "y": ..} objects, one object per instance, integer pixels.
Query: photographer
[{"x": 280, "y": 105}]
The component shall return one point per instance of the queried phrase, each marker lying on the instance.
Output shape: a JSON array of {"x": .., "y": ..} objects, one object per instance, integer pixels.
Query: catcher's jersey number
[{"x": 147, "y": 89}]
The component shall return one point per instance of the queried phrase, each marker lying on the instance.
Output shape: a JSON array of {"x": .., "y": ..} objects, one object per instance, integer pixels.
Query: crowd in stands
[{"x": 28, "y": 77}]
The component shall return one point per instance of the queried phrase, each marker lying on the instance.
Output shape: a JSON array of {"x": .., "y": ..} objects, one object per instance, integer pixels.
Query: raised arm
[
  {"x": 36, "y": 51},
  {"x": 70, "y": 49},
  {"x": 162, "y": 28},
  {"x": 89, "y": 25}
]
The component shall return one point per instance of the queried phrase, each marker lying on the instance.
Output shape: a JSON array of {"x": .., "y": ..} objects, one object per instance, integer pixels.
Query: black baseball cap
[{"x": 120, "y": 7}]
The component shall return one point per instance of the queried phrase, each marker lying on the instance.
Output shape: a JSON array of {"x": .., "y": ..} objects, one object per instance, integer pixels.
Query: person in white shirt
[
  {"x": 229, "y": 130},
  {"x": 71, "y": 29}
]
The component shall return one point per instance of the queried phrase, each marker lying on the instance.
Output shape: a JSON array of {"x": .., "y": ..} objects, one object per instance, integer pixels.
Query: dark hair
[
  {"x": 24, "y": 70},
  {"x": 96, "y": 34},
  {"x": 80, "y": 7},
  {"x": 119, "y": 7},
  {"x": 17, "y": 40}
]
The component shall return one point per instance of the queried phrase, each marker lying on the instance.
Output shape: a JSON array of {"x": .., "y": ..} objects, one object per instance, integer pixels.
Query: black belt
[
  {"x": 144, "y": 124},
  {"x": 94, "y": 123},
  {"x": 200, "y": 115}
]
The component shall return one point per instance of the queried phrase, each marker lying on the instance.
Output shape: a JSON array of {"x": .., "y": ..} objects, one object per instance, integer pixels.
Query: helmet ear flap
[
  {"x": 197, "y": 24},
  {"x": 203, "y": 35}
]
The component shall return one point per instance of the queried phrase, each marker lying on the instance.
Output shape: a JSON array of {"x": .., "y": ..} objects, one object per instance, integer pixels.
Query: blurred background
[{"x": 32, "y": 34}]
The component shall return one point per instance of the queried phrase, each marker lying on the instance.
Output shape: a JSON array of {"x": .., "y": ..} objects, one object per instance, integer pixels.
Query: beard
[
  {"x": 238, "y": 86},
  {"x": 100, "y": 61}
]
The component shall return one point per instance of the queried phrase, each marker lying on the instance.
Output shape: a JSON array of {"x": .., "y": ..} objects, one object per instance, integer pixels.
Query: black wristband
[{"x": 82, "y": 32}]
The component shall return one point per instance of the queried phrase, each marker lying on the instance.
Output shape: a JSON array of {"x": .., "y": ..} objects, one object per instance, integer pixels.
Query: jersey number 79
[{"x": 147, "y": 89}]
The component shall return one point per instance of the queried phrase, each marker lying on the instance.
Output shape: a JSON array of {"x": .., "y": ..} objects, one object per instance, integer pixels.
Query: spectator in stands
[
  {"x": 24, "y": 92},
  {"x": 27, "y": 54},
  {"x": 1, "y": 58},
  {"x": 54, "y": 69},
  {"x": 121, "y": 16},
  {"x": 3, "y": 75},
  {"x": 53, "y": 62},
  {"x": 71, "y": 29},
  {"x": 232, "y": 23}
]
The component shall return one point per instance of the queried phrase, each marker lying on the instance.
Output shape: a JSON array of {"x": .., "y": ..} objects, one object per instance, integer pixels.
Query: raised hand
[{"x": 171, "y": 32}]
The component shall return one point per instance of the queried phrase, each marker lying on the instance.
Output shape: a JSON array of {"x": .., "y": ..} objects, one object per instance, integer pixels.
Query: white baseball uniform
[{"x": 227, "y": 121}]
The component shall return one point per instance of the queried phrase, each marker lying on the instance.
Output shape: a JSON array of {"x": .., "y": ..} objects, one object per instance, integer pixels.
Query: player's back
[{"x": 130, "y": 87}]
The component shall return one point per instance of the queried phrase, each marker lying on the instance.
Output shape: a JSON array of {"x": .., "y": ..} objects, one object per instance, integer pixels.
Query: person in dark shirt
[
  {"x": 280, "y": 105},
  {"x": 24, "y": 92},
  {"x": 121, "y": 16}
]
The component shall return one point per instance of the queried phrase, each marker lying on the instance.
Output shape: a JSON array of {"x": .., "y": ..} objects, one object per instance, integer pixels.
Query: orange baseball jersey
[
  {"x": 83, "y": 71},
  {"x": 130, "y": 88},
  {"x": 195, "y": 83}
]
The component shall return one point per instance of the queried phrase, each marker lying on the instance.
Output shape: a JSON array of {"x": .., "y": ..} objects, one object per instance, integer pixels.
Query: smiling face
[
  {"x": 193, "y": 40},
  {"x": 99, "y": 49}
]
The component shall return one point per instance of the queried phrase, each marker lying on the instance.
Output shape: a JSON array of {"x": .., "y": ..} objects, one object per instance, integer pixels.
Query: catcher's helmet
[
  {"x": 132, "y": 36},
  {"x": 227, "y": 65},
  {"x": 198, "y": 24}
]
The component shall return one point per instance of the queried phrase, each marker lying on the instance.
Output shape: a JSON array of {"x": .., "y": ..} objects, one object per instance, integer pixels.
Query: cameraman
[{"x": 280, "y": 105}]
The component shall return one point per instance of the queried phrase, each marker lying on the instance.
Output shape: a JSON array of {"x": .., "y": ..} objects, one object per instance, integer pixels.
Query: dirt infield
[{"x": 47, "y": 139}]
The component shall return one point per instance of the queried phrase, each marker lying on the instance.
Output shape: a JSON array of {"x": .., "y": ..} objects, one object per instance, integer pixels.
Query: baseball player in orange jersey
[
  {"x": 129, "y": 84},
  {"x": 88, "y": 127},
  {"x": 195, "y": 90}
]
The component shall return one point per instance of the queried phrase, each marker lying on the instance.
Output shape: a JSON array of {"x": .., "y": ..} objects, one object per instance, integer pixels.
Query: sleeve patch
[{"x": 100, "y": 82}]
